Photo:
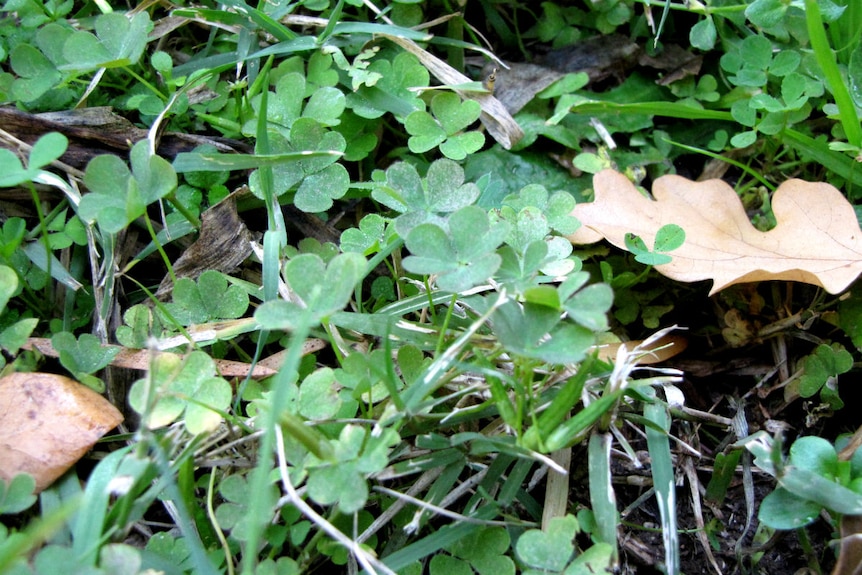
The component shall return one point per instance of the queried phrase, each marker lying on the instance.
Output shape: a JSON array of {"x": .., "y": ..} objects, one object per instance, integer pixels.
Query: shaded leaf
[
  {"x": 549, "y": 550},
  {"x": 83, "y": 356},
  {"x": 824, "y": 363},
  {"x": 17, "y": 495},
  {"x": 119, "y": 41}
]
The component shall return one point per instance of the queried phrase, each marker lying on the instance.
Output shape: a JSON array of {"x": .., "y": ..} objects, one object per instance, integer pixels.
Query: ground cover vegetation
[{"x": 333, "y": 263}]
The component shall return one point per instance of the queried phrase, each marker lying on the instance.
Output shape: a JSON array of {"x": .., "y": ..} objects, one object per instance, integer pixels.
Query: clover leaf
[
  {"x": 424, "y": 200},
  {"x": 484, "y": 549},
  {"x": 536, "y": 330},
  {"x": 450, "y": 117},
  {"x": 588, "y": 306},
  {"x": 285, "y": 106},
  {"x": 210, "y": 298},
  {"x": 548, "y": 551},
  {"x": 364, "y": 375},
  {"x": 46, "y": 149},
  {"x": 822, "y": 366},
  {"x": 319, "y": 180},
  {"x": 318, "y": 395},
  {"x": 36, "y": 73},
  {"x": 117, "y": 196},
  {"x": 464, "y": 257},
  {"x": 556, "y": 207},
  {"x": 359, "y": 134},
  {"x": 187, "y": 386},
  {"x": 232, "y": 514},
  {"x": 426, "y": 132},
  {"x": 84, "y": 356},
  {"x": 392, "y": 91},
  {"x": 17, "y": 495},
  {"x": 358, "y": 454},
  {"x": 368, "y": 237},
  {"x": 119, "y": 41},
  {"x": 139, "y": 326},
  {"x": 321, "y": 288},
  {"x": 317, "y": 191}
]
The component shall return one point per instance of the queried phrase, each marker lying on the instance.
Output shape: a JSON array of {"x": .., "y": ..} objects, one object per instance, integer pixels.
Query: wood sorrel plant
[{"x": 460, "y": 324}]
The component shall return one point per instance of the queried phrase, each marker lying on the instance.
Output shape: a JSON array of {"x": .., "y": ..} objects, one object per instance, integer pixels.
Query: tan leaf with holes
[
  {"x": 817, "y": 239},
  {"x": 47, "y": 423}
]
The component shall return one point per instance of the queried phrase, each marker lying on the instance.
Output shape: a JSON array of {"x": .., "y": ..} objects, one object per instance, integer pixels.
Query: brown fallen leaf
[
  {"x": 47, "y": 423},
  {"x": 817, "y": 239}
]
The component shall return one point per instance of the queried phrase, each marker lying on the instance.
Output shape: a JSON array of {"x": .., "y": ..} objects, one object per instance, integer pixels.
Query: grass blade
[
  {"x": 602, "y": 497},
  {"x": 663, "y": 480}
]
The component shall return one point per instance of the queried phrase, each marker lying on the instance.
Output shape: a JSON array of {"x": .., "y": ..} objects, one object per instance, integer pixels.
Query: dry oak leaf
[
  {"x": 47, "y": 423},
  {"x": 817, "y": 239}
]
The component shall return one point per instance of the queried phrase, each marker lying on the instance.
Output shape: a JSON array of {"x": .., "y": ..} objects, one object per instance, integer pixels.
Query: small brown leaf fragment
[
  {"x": 677, "y": 62},
  {"x": 518, "y": 84},
  {"x": 600, "y": 57},
  {"x": 850, "y": 553},
  {"x": 817, "y": 239},
  {"x": 142, "y": 359},
  {"x": 659, "y": 352},
  {"x": 47, "y": 423}
]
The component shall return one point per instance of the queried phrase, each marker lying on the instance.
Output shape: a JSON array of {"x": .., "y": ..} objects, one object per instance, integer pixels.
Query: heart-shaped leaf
[
  {"x": 317, "y": 190},
  {"x": 211, "y": 298},
  {"x": 119, "y": 196},
  {"x": 182, "y": 384},
  {"x": 425, "y": 132},
  {"x": 453, "y": 113},
  {"x": 325, "y": 105},
  {"x": 323, "y": 290},
  {"x": 464, "y": 257},
  {"x": 85, "y": 355},
  {"x": 549, "y": 550},
  {"x": 358, "y": 454},
  {"x": 318, "y": 395},
  {"x": 367, "y": 237},
  {"x": 460, "y": 146},
  {"x": 18, "y": 494},
  {"x": 119, "y": 41},
  {"x": 442, "y": 191},
  {"x": 307, "y": 135},
  {"x": 485, "y": 551},
  {"x": 36, "y": 74},
  {"x": 824, "y": 363},
  {"x": 285, "y": 105},
  {"x": 392, "y": 91}
]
